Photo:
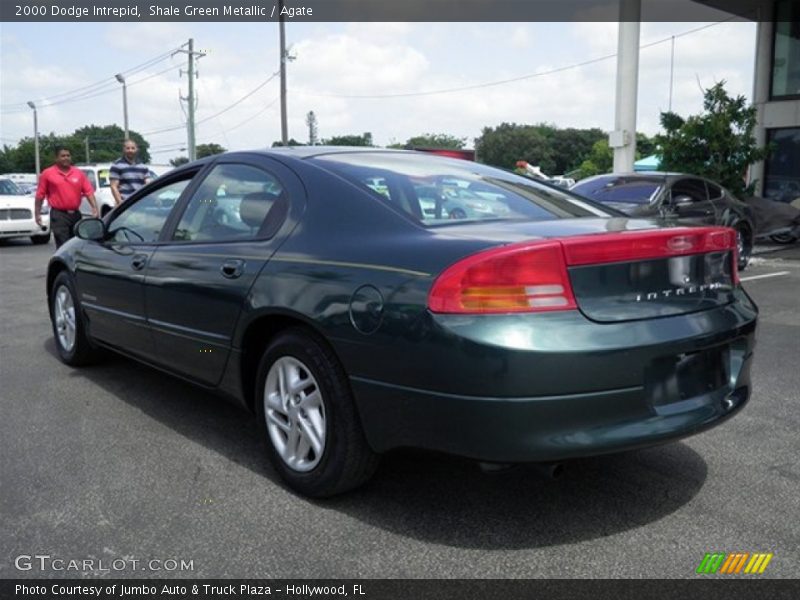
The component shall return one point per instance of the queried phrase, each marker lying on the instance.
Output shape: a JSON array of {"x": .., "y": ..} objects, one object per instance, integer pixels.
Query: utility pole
[
  {"x": 86, "y": 145},
  {"x": 35, "y": 138},
  {"x": 190, "y": 99},
  {"x": 623, "y": 138},
  {"x": 284, "y": 124}
]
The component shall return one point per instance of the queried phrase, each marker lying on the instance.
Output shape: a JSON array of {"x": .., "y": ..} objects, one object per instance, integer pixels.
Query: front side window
[
  {"x": 143, "y": 221},
  {"x": 786, "y": 52},
  {"x": 234, "y": 202},
  {"x": 435, "y": 191}
]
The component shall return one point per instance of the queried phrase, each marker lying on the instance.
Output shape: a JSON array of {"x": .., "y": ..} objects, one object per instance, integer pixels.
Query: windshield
[
  {"x": 629, "y": 190},
  {"x": 436, "y": 191},
  {"x": 9, "y": 188}
]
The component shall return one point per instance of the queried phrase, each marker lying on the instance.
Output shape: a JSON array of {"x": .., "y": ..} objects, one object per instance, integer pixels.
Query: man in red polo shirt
[{"x": 63, "y": 185}]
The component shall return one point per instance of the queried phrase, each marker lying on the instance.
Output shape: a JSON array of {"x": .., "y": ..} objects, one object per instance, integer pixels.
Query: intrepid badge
[{"x": 684, "y": 291}]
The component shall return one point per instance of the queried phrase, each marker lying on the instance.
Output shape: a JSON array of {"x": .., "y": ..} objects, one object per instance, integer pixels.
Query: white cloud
[{"x": 372, "y": 58}]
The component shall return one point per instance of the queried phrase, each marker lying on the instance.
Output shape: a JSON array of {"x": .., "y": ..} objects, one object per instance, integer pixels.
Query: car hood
[
  {"x": 504, "y": 231},
  {"x": 17, "y": 202}
]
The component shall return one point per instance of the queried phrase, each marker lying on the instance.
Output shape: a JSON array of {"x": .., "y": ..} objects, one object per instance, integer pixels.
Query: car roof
[{"x": 311, "y": 151}]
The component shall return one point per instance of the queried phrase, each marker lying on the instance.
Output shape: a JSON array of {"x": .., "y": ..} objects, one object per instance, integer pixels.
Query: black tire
[
  {"x": 82, "y": 351},
  {"x": 783, "y": 238},
  {"x": 747, "y": 245},
  {"x": 40, "y": 239},
  {"x": 346, "y": 460}
]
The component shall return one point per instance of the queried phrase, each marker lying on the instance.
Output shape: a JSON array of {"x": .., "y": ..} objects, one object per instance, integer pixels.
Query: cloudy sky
[{"x": 347, "y": 74}]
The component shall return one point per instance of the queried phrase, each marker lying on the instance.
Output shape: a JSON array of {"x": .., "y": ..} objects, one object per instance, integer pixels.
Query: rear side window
[
  {"x": 435, "y": 191},
  {"x": 234, "y": 202},
  {"x": 693, "y": 188},
  {"x": 714, "y": 191},
  {"x": 619, "y": 189}
]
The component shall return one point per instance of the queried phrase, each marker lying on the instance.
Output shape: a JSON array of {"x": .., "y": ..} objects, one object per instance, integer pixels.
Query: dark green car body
[{"x": 615, "y": 374}]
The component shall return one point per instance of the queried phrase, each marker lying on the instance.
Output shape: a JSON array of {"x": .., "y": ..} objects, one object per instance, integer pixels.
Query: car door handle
[
  {"x": 138, "y": 262},
  {"x": 232, "y": 268}
]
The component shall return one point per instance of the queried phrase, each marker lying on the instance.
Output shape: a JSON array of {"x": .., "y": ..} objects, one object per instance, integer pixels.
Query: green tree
[
  {"x": 600, "y": 160},
  {"x": 204, "y": 150},
  {"x": 717, "y": 144},
  {"x": 105, "y": 143},
  {"x": 435, "y": 140},
  {"x": 291, "y": 142},
  {"x": 349, "y": 140},
  {"x": 179, "y": 160},
  {"x": 504, "y": 145},
  {"x": 645, "y": 146},
  {"x": 570, "y": 146}
]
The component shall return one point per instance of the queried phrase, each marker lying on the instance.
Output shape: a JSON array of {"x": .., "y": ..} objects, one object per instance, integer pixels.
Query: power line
[
  {"x": 115, "y": 89},
  {"x": 215, "y": 115},
  {"x": 511, "y": 80},
  {"x": 93, "y": 87}
]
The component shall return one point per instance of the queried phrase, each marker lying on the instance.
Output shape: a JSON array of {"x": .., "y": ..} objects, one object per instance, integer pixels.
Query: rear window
[
  {"x": 438, "y": 191},
  {"x": 619, "y": 189}
]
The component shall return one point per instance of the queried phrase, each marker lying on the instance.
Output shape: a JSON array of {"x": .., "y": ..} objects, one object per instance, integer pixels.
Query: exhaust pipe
[
  {"x": 552, "y": 470},
  {"x": 489, "y": 467},
  {"x": 549, "y": 470}
]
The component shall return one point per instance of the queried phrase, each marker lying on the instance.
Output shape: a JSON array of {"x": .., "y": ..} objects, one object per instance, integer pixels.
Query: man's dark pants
[{"x": 62, "y": 223}]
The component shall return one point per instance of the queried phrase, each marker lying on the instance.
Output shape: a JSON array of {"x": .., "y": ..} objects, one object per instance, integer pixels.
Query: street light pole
[
  {"x": 121, "y": 79},
  {"x": 35, "y": 138}
]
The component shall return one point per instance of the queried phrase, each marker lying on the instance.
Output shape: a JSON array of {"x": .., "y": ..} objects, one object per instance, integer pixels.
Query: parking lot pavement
[{"x": 121, "y": 462}]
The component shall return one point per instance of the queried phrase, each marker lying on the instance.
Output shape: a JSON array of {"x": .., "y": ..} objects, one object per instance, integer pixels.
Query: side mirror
[
  {"x": 682, "y": 200},
  {"x": 91, "y": 229}
]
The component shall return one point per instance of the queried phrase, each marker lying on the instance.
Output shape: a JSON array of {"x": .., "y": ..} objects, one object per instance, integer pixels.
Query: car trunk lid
[{"x": 622, "y": 275}]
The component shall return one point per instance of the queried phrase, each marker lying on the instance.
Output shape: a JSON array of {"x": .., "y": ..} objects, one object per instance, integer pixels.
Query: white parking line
[{"x": 764, "y": 276}]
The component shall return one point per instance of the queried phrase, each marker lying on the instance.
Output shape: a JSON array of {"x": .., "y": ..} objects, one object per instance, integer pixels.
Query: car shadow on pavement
[
  {"x": 452, "y": 502},
  {"x": 436, "y": 498}
]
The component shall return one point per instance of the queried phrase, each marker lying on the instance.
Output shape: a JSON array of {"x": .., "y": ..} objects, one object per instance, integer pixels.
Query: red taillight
[{"x": 530, "y": 277}]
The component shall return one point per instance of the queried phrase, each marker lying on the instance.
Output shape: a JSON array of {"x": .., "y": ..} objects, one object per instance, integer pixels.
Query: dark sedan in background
[
  {"x": 351, "y": 320},
  {"x": 685, "y": 199}
]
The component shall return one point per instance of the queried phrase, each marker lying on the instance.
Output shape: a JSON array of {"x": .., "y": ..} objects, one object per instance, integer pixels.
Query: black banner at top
[{"x": 380, "y": 10}]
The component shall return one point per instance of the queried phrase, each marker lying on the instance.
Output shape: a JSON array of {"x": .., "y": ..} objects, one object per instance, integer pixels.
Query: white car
[{"x": 16, "y": 215}]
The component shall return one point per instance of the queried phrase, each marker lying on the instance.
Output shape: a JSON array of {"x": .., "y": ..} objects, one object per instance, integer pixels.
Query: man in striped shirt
[{"x": 127, "y": 174}]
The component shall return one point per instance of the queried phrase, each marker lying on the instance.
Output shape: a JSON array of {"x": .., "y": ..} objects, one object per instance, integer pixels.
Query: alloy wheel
[
  {"x": 64, "y": 309},
  {"x": 295, "y": 414}
]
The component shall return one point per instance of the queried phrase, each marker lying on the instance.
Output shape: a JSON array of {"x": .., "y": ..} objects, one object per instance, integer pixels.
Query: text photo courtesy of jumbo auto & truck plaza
[{"x": 377, "y": 299}]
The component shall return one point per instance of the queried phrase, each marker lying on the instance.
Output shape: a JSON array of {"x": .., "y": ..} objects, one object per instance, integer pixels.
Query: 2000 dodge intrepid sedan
[{"x": 317, "y": 287}]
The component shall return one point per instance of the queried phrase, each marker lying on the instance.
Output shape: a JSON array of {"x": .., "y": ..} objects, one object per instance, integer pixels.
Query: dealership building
[{"x": 776, "y": 93}]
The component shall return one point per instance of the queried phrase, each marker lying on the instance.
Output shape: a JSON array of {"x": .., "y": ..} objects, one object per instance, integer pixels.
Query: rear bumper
[{"x": 670, "y": 398}]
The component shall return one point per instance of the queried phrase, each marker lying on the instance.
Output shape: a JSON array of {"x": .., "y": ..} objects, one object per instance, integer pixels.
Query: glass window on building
[
  {"x": 782, "y": 181},
  {"x": 786, "y": 53}
]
